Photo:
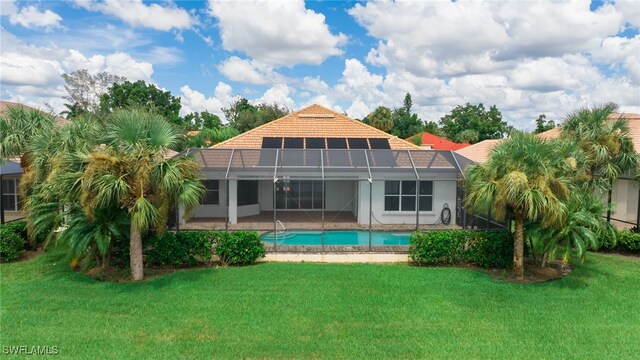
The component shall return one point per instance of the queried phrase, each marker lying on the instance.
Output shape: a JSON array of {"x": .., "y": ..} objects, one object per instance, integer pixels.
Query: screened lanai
[{"x": 374, "y": 188}]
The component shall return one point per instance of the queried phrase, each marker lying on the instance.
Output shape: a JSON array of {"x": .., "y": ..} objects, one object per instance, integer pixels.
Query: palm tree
[
  {"x": 380, "y": 118},
  {"x": 131, "y": 171},
  {"x": 18, "y": 126},
  {"x": 582, "y": 229},
  {"x": 524, "y": 177},
  {"x": 605, "y": 139}
]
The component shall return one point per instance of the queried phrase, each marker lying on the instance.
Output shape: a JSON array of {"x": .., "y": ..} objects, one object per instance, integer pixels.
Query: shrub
[
  {"x": 629, "y": 241},
  {"x": 492, "y": 248},
  {"x": 18, "y": 227},
  {"x": 10, "y": 244},
  {"x": 437, "y": 247},
  {"x": 239, "y": 248},
  {"x": 185, "y": 248}
]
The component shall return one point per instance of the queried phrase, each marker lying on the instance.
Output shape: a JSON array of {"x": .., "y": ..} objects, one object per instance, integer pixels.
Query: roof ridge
[{"x": 339, "y": 115}]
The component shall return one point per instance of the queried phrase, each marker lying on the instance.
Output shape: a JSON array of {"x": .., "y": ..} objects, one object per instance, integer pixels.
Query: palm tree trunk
[
  {"x": 135, "y": 253},
  {"x": 518, "y": 248}
]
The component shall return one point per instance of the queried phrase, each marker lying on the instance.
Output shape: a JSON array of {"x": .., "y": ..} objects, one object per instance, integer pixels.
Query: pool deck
[{"x": 338, "y": 249}]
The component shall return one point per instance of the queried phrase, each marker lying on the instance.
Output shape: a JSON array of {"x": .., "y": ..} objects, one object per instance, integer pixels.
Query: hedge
[
  {"x": 189, "y": 248},
  {"x": 493, "y": 248},
  {"x": 628, "y": 242}
]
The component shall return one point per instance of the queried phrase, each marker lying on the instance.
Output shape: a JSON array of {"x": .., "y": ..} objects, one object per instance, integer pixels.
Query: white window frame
[
  {"x": 14, "y": 192},
  {"x": 409, "y": 197}
]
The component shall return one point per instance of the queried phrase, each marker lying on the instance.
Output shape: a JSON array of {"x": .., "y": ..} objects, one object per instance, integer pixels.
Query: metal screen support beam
[
  {"x": 370, "y": 209},
  {"x": 413, "y": 165},
  {"x": 275, "y": 167},
  {"x": 1, "y": 202},
  {"x": 323, "y": 194},
  {"x": 226, "y": 176},
  {"x": 275, "y": 230},
  {"x": 366, "y": 157}
]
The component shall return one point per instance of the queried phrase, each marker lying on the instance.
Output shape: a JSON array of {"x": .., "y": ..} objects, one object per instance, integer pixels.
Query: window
[
  {"x": 299, "y": 195},
  {"x": 247, "y": 192},
  {"x": 212, "y": 194},
  {"x": 10, "y": 196},
  {"x": 401, "y": 196}
]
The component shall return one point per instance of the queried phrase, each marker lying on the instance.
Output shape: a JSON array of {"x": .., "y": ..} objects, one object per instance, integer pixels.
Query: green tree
[
  {"x": 202, "y": 120},
  {"x": 542, "y": 124},
  {"x": 132, "y": 172},
  {"x": 380, "y": 118},
  {"x": 243, "y": 116},
  {"x": 432, "y": 128},
  {"x": 605, "y": 139},
  {"x": 406, "y": 123},
  {"x": 84, "y": 90},
  {"x": 486, "y": 124},
  {"x": 140, "y": 95},
  {"x": 525, "y": 177}
]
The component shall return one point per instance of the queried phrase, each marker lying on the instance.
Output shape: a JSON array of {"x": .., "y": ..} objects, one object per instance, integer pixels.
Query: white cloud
[
  {"x": 248, "y": 71},
  {"x": 163, "y": 55},
  {"x": 30, "y": 17},
  {"x": 278, "y": 33},
  {"x": 193, "y": 100},
  {"x": 136, "y": 13},
  {"x": 278, "y": 93},
  {"x": 630, "y": 9},
  {"x": 18, "y": 69}
]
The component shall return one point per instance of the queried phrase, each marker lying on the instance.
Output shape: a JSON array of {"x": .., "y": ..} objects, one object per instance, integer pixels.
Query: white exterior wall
[
  {"x": 211, "y": 211},
  {"x": 444, "y": 191},
  {"x": 625, "y": 200}
]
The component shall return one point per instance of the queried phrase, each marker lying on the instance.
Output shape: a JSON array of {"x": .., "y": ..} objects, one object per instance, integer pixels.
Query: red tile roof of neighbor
[
  {"x": 437, "y": 142},
  {"x": 5, "y": 105},
  {"x": 480, "y": 152},
  {"x": 312, "y": 121}
]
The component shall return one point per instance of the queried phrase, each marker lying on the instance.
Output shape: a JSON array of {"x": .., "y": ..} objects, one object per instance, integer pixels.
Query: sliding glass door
[{"x": 299, "y": 195}]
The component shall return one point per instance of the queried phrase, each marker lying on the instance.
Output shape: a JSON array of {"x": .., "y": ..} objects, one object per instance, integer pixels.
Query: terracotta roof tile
[
  {"x": 436, "y": 142},
  {"x": 312, "y": 121},
  {"x": 4, "y": 105},
  {"x": 479, "y": 152}
]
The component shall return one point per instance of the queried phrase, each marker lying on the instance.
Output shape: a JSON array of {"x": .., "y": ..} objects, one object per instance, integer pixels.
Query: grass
[{"x": 324, "y": 311}]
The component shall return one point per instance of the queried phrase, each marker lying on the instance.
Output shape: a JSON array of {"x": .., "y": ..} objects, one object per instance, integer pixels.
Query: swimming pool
[{"x": 378, "y": 238}]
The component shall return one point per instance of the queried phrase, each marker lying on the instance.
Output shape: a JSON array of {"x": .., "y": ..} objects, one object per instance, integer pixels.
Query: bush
[
  {"x": 239, "y": 248},
  {"x": 437, "y": 247},
  {"x": 10, "y": 244},
  {"x": 492, "y": 248},
  {"x": 629, "y": 242},
  {"x": 18, "y": 227},
  {"x": 185, "y": 248}
]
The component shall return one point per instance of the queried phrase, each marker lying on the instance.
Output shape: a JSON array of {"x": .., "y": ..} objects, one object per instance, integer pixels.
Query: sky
[{"x": 525, "y": 57}]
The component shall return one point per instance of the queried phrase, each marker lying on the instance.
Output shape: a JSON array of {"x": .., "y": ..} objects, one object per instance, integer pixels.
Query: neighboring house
[
  {"x": 10, "y": 173},
  {"x": 625, "y": 195},
  {"x": 479, "y": 152},
  {"x": 429, "y": 141},
  {"x": 317, "y": 165}
]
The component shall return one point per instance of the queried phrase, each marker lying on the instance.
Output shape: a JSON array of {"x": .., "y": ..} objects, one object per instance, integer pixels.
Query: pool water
[{"x": 378, "y": 238}]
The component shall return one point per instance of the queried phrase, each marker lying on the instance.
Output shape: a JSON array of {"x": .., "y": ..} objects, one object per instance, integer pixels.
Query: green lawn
[{"x": 324, "y": 311}]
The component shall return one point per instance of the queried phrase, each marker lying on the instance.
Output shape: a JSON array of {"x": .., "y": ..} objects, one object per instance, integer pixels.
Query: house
[
  {"x": 479, "y": 152},
  {"x": 625, "y": 194},
  {"x": 318, "y": 168},
  {"x": 11, "y": 172},
  {"x": 429, "y": 141}
]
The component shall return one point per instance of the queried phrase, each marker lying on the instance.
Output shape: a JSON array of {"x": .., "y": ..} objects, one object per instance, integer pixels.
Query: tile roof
[
  {"x": 312, "y": 121},
  {"x": 5, "y": 105},
  {"x": 479, "y": 152},
  {"x": 436, "y": 142}
]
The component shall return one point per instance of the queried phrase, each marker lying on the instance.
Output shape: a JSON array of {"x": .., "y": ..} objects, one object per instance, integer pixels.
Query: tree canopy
[
  {"x": 473, "y": 123},
  {"x": 381, "y": 118},
  {"x": 542, "y": 124},
  {"x": 244, "y": 116},
  {"x": 140, "y": 95},
  {"x": 84, "y": 91}
]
